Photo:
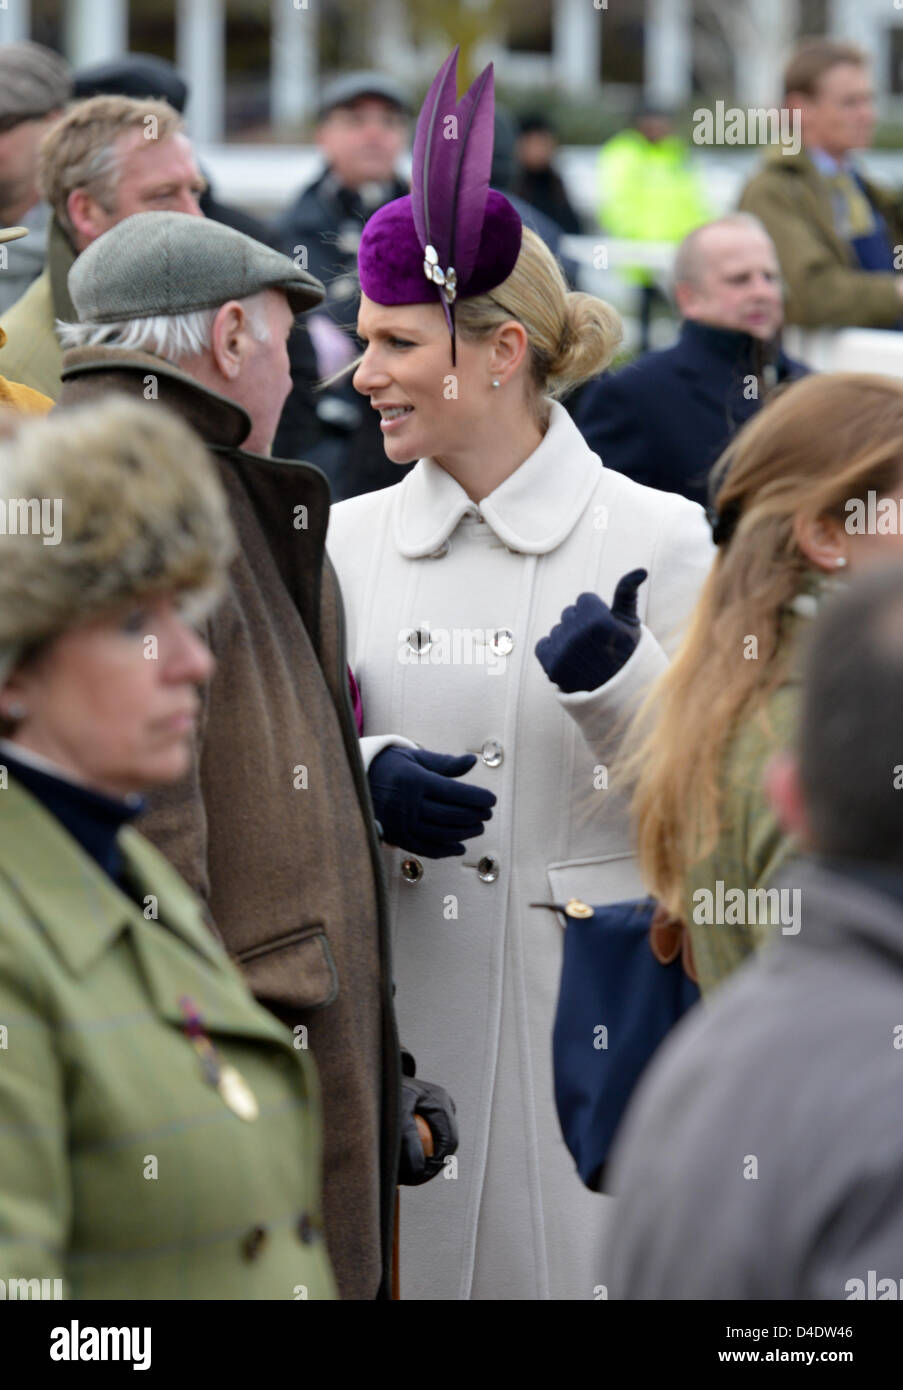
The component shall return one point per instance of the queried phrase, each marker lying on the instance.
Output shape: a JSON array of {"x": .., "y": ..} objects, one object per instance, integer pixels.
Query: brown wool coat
[{"x": 273, "y": 827}]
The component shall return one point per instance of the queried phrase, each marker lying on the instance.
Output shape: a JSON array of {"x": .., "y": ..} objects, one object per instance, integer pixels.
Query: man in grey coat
[{"x": 763, "y": 1156}]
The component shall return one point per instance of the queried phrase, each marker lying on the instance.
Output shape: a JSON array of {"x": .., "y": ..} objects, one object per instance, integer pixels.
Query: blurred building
[{"x": 254, "y": 66}]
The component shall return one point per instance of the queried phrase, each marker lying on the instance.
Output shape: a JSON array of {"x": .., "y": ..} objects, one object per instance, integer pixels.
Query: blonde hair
[
  {"x": 79, "y": 150},
  {"x": 817, "y": 444},
  {"x": 572, "y": 336}
]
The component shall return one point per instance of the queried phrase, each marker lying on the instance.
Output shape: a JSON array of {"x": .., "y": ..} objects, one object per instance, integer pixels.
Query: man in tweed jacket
[{"x": 273, "y": 827}]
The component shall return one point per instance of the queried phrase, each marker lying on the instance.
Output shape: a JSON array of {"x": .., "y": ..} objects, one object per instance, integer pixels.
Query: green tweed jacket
[
  {"x": 751, "y": 847},
  {"x": 124, "y": 1172},
  {"x": 31, "y": 353},
  {"x": 825, "y": 285}
]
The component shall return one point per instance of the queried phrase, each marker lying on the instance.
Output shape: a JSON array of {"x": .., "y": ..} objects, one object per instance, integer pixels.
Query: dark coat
[
  {"x": 273, "y": 827},
  {"x": 666, "y": 418},
  {"x": 327, "y": 220}
]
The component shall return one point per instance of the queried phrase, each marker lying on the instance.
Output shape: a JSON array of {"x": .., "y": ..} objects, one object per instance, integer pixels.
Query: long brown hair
[{"x": 817, "y": 444}]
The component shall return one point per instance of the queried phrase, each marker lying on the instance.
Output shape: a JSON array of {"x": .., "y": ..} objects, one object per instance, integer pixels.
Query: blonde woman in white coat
[{"x": 449, "y": 580}]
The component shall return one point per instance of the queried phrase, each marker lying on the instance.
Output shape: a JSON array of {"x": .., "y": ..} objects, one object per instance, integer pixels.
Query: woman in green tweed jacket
[
  {"x": 160, "y": 1131},
  {"x": 798, "y": 498}
]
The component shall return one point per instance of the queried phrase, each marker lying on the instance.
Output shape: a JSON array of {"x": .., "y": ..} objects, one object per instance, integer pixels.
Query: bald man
[{"x": 667, "y": 417}]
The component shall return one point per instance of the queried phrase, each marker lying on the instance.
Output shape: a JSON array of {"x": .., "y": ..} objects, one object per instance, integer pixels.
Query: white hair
[{"x": 172, "y": 336}]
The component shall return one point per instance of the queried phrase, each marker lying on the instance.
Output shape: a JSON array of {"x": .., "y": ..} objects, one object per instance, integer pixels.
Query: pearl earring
[
  {"x": 15, "y": 710},
  {"x": 840, "y": 561},
  {"x": 495, "y": 383}
]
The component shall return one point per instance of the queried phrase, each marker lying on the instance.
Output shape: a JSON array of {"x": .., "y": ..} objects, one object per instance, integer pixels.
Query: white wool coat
[{"x": 477, "y": 968}]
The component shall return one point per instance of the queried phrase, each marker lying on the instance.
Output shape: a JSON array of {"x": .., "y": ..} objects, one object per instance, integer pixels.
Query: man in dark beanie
[
  {"x": 35, "y": 85},
  {"x": 273, "y": 827}
]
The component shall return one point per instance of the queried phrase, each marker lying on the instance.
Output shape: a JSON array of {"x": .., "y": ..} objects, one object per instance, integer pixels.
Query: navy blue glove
[
  {"x": 434, "y": 1105},
  {"x": 420, "y": 806},
  {"x": 592, "y": 642}
]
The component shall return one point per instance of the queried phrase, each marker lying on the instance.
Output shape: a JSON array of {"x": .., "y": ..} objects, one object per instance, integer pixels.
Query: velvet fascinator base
[{"x": 390, "y": 258}]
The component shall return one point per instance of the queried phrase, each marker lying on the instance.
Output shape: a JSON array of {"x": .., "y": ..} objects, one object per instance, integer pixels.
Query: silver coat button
[
  {"x": 419, "y": 640},
  {"x": 502, "y": 642},
  {"x": 411, "y": 870},
  {"x": 488, "y": 868},
  {"x": 492, "y": 752}
]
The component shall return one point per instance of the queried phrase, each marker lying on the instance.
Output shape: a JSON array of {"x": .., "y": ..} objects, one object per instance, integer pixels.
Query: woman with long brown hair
[{"x": 810, "y": 490}]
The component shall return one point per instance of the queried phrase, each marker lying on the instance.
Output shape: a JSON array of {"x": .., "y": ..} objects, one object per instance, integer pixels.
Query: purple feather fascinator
[{"x": 452, "y": 237}]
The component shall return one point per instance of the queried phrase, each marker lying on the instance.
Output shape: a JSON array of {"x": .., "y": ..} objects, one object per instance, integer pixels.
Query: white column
[
  {"x": 864, "y": 23},
  {"x": 15, "y": 21},
  {"x": 667, "y": 80},
  {"x": 200, "y": 56},
  {"x": 94, "y": 30},
  {"x": 391, "y": 51},
  {"x": 293, "y": 61},
  {"x": 761, "y": 47},
  {"x": 576, "y": 44}
]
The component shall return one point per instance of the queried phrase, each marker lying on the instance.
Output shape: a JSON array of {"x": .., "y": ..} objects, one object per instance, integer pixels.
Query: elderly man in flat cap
[
  {"x": 105, "y": 160},
  {"x": 35, "y": 85},
  {"x": 273, "y": 828},
  {"x": 361, "y": 132}
]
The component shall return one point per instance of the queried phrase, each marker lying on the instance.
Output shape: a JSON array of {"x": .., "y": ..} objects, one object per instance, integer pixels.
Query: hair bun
[{"x": 590, "y": 333}]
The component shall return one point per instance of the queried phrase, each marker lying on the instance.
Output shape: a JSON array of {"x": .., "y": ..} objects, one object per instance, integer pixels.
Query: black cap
[{"x": 139, "y": 75}]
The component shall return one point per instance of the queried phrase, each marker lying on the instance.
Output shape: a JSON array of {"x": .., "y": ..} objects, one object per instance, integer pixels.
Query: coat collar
[
  {"x": 82, "y": 912},
  {"x": 60, "y": 259},
  {"x": 532, "y": 511},
  {"x": 89, "y": 371}
]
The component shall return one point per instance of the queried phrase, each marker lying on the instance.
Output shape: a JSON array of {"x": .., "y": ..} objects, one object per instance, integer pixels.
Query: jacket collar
[
  {"x": 532, "y": 511},
  {"x": 60, "y": 258},
  {"x": 81, "y": 912},
  {"x": 77, "y": 904},
  {"x": 88, "y": 371}
]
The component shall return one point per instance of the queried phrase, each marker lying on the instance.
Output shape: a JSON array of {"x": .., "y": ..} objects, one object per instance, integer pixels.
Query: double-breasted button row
[
  {"x": 501, "y": 642},
  {"x": 488, "y": 869}
]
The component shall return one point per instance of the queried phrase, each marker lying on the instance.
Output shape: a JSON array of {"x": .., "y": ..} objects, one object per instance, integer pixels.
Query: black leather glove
[
  {"x": 421, "y": 807},
  {"x": 434, "y": 1105},
  {"x": 592, "y": 642}
]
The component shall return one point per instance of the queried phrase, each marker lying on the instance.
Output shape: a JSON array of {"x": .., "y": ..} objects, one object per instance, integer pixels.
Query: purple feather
[
  {"x": 450, "y": 178},
  {"x": 430, "y": 154},
  {"x": 476, "y": 130}
]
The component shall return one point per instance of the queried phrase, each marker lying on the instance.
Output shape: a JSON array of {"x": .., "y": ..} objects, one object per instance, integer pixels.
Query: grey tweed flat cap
[
  {"x": 173, "y": 263},
  {"x": 351, "y": 86}
]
